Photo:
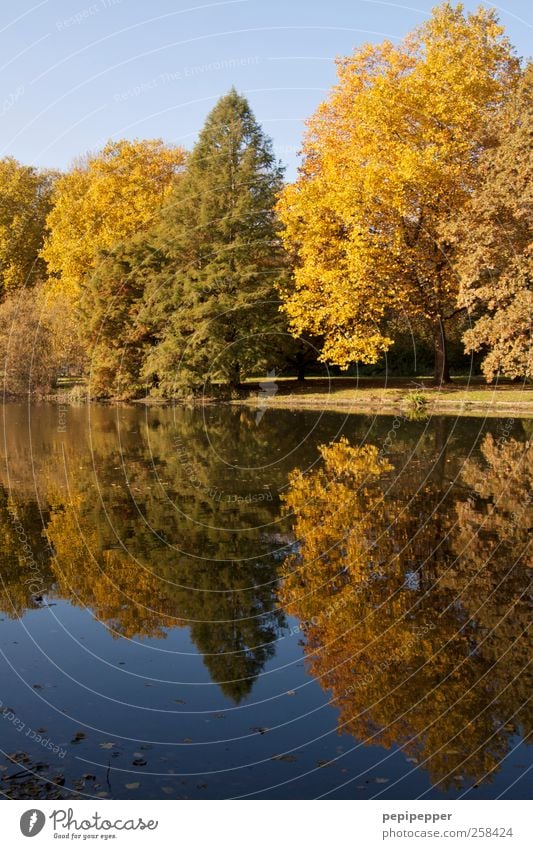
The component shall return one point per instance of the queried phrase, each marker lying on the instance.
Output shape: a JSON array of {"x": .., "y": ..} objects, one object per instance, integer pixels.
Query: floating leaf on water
[{"x": 78, "y": 737}]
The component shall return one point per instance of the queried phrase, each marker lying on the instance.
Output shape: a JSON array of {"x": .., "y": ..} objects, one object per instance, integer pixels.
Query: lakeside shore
[
  {"x": 415, "y": 397},
  {"x": 464, "y": 396}
]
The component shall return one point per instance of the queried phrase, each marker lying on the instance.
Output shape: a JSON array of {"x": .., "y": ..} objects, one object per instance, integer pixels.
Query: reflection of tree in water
[
  {"x": 25, "y": 569},
  {"x": 140, "y": 583},
  {"x": 389, "y": 600}
]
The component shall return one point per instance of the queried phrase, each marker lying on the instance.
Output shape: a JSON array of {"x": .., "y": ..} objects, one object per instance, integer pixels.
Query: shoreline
[
  {"x": 441, "y": 408},
  {"x": 410, "y": 398}
]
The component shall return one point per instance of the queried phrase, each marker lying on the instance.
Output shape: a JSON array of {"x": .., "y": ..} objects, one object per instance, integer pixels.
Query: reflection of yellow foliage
[
  {"x": 121, "y": 593},
  {"x": 492, "y": 544},
  {"x": 333, "y": 510},
  {"x": 500, "y": 506},
  {"x": 162, "y": 512},
  {"x": 398, "y": 658}
]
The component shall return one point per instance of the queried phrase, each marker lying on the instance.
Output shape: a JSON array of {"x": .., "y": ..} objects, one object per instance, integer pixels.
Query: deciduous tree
[
  {"x": 494, "y": 244},
  {"x": 106, "y": 198},
  {"x": 24, "y": 204},
  {"x": 29, "y": 363},
  {"x": 388, "y": 157}
]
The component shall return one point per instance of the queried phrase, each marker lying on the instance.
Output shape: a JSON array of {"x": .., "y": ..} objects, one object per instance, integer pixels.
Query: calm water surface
[{"x": 222, "y": 603}]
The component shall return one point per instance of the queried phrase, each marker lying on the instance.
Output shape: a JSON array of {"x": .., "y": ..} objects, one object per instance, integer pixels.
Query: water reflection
[
  {"x": 412, "y": 586},
  {"x": 136, "y": 531},
  {"x": 401, "y": 552}
]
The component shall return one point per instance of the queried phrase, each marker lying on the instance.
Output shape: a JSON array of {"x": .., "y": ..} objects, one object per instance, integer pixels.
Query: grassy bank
[{"x": 417, "y": 395}]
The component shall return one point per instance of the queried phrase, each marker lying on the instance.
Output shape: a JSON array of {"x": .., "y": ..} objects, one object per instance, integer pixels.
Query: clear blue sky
[{"x": 77, "y": 72}]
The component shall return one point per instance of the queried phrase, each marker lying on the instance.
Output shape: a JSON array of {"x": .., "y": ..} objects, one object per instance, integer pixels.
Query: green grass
[{"x": 374, "y": 393}]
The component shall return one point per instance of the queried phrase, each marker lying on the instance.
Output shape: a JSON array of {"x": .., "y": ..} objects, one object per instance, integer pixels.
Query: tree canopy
[
  {"x": 493, "y": 236},
  {"x": 107, "y": 197},
  {"x": 388, "y": 158},
  {"x": 25, "y": 202},
  {"x": 215, "y": 298}
]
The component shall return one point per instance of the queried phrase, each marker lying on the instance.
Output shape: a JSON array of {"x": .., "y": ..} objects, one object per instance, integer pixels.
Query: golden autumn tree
[
  {"x": 388, "y": 157},
  {"x": 25, "y": 201},
  {"x": 106, "y": 198},
  {"x": 495, "y": 246}
]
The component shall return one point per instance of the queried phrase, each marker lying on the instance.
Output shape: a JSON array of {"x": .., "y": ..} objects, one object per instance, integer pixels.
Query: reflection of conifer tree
[
  {"x": 235, "y": 604},
  {"x": 141, "y": 544}
]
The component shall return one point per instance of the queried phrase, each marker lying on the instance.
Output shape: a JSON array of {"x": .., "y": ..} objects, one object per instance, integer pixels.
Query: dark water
[{"x": 219, "y": 603}]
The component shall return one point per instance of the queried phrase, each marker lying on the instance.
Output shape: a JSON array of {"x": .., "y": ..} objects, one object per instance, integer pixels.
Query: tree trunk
[
  {"x": 300, "y": 367},
  {"x": 442, "y": 369},
  {"x": 235, "y": 376}
]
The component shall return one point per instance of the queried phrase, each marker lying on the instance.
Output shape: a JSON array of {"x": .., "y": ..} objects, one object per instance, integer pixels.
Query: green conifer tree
[{"x": 214, "y": 302}]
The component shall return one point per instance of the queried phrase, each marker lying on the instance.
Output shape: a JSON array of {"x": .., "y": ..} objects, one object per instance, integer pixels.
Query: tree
[
  {"x": 106, "y": 198},
  {"x": 29, "y": 363},
  {"x": 494, "y": 244},
  {"x": 24, "y": 204},
  {"x": 215, "y": 297},
  {"x": 389, "y": 157},
  {"x": 117, "y": 326}
]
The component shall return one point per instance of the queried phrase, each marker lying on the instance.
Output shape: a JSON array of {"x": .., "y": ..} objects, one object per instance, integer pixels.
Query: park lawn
[{"x": 372, "y": 393}]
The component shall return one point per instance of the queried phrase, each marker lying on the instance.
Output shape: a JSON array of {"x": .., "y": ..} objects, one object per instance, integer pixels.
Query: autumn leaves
[
  {"x": 410, "y": 142},
  {"x": 161, "y": 272}
]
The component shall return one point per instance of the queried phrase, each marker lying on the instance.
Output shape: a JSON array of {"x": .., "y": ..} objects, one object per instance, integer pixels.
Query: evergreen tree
[
  {"x": 214, "y": 302},
  {"x": 117, "y": 327}
]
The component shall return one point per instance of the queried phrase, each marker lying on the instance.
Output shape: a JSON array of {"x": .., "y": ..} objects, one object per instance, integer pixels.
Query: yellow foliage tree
[
  {"x": 24, "y": 204},
  {"x": 388, "y": 157},
  {"x": 495, "y": 245},
  {"x": 104, "y": 199}
]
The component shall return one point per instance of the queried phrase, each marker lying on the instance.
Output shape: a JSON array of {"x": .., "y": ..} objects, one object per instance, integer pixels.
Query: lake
[{"x": 228, "y": 603}]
